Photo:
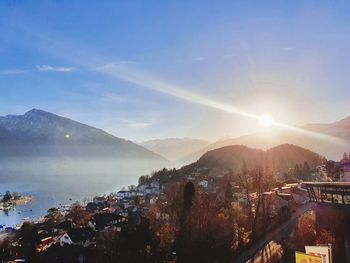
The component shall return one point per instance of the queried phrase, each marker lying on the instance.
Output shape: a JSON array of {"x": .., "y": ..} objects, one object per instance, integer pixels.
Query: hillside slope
[
  {"x": 278, "y": 158},
  {"x": 42, "y": 133},
  {"x": 331, "y": 148}
]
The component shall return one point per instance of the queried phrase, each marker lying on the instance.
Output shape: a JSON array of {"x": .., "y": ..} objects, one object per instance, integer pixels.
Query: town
[{"x": 247, "y": 207}]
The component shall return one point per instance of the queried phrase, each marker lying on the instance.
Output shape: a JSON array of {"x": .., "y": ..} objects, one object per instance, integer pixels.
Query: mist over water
[{"x": 53, "y": 181}]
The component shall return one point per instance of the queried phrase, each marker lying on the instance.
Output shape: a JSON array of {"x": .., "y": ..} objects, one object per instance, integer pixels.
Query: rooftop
[{"x": 328, "y": 184}]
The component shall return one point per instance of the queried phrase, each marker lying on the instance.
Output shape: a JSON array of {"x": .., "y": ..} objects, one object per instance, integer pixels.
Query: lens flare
[{"x": 266, "y": 120}]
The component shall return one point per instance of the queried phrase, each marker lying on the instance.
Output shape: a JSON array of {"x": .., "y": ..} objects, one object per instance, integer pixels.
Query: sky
[{"x": 158, "y": 69}]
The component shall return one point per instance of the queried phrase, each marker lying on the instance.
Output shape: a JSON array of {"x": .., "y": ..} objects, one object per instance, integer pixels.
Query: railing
[{"x": 330, "y": 192}]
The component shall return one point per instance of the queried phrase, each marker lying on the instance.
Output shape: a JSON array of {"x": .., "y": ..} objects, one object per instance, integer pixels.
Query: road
[{"x": 254, "y": 251}]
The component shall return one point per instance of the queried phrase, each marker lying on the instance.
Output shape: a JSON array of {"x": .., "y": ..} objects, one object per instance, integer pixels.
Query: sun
[{"x": 266, "y": 120}]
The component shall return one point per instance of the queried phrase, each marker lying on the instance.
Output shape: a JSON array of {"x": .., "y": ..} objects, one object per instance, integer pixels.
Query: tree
[
  {"x": 53, "y": 217},
  {"x": 137, "y": 243},
  {"x": 143, "y": 179},
  {"x": 137, "y": 200},
  {"x": 7, "y": 196},
  {"x": 260, "y": 187},
  {"x": 206, "y": 234},
  {"x": 78, "y": 215},
  {"x": 189, "y": 192},
  {"x": 333, "y": 170},
  {"x": 228, "y": 192},
  {"x": 30, "y": 238},
  {"x": 305, "y": 233},
  {"x": 306, "y": 173},
  {"x": 245, "y": 182},
  {"x": 297, "y": 171}
]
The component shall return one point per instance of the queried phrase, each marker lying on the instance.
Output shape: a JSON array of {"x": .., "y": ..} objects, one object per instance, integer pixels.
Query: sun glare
[{"x": 266, "y": 120}]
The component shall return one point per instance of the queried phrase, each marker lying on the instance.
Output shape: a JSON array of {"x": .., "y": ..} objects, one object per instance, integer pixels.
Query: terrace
[{"x": 329, "y": 192}]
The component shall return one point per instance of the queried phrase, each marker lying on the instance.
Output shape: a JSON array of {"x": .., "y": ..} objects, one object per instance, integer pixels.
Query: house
[
  {"x": 65, "y": 240},
  {"x": 44, "y": 244},
  {"x": 140, "y": 194},
  {"x": 103, "y": 220},
  {"x": 132, "y": 193},
  {"x": 203, "y": 183},
  {"x": 155, "y": 185},
  {"x": 123, "y": 194},
  {"x": 82, "y": 236},
  {"x": 345, "y": 168},
  {"x": 149, "y": 190},
  {"x": 125, "y": 203}
]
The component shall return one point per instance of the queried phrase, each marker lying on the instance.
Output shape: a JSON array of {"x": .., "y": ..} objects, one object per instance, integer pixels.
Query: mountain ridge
[
  {"x": 281, "y": 157},
  {"x": 331, "y": 149},
  {"x": 41, "y": 129}
]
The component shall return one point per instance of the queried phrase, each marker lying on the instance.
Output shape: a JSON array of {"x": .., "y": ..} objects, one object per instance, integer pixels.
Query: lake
[{"x": 61, "y": 181}]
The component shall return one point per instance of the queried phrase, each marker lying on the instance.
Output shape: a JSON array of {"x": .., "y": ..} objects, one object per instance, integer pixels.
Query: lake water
[
  {"x": 41, "y": 202},
  {"x": 52, "y": 181}
]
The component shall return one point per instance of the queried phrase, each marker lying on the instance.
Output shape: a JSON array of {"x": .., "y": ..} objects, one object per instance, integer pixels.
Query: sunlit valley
[{"x": 174, "y": 132}]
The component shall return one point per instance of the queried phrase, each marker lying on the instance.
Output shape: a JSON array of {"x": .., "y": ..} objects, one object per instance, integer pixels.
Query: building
[
  {"x": 123, "y": 194},
  {"x": 345, "y": 168},
  {"x": 203, "y": 183},
  {"x": 99, "y": 199}
]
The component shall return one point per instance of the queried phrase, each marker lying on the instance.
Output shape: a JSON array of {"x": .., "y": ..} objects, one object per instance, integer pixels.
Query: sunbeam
[{"x": 139, "y": 78}]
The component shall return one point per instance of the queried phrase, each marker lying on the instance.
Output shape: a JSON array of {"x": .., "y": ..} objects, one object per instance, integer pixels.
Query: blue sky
[{"x": 129, "y": 66}]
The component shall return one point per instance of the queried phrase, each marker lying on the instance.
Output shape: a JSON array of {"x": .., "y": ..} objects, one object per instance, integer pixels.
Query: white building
[
  {"x": 123, "y": 194},
  {"x": 345, "y": 168},
  {"x": 203, "y": 183}
]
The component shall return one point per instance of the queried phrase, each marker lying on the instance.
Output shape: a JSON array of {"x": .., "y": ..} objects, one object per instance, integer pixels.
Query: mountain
[
  {"x": 48, "y": 151},
  {"x": 340, "y": 129},
  {"x": 280, "y": 157},
  {"x": 38, "y": 132},
  {"x": 331, "y": 147},
  {"x": 175, "y": 148}
]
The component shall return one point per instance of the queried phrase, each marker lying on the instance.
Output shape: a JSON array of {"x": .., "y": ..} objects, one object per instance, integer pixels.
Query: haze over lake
[{"x": 53, "y": 181}]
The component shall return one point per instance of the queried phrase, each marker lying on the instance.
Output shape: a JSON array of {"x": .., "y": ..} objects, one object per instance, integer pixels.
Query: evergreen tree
[
  {"x": 306, "y": 174},
  {"x": 189, "y": 192},
  {"x": 7, "y": 197}
]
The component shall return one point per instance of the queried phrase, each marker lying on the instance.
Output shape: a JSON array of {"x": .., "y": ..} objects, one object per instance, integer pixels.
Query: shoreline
[{"x": 22, "y": 200}]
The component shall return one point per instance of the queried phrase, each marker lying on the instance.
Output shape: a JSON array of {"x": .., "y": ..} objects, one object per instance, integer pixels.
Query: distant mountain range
[
  {"x": 277, "y": 158},
  {"x": 41, "y": 133},
  {"x": 331, "y": 148},
  {"x": 175, "y": 148}
]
